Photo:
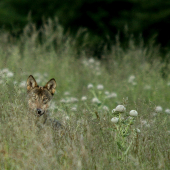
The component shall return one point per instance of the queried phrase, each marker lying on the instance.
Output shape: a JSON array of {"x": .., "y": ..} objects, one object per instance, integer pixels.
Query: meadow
[{"x": 97, "y": 134}]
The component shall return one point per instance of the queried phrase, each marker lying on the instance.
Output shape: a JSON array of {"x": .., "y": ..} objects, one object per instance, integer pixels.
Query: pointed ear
[
  {"x": 51, "y": 85},
  {"x": 31, "y": 83}
]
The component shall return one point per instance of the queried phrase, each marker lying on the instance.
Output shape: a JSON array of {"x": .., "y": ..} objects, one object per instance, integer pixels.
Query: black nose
[{"x": 39, "y": 111}]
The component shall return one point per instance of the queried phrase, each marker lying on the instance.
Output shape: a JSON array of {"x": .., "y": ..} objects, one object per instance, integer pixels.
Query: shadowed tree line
[{"x": 102, "y": 18}]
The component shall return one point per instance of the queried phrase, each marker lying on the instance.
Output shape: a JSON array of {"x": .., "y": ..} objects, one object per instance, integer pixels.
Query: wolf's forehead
[{"x": 41, "y": 91}]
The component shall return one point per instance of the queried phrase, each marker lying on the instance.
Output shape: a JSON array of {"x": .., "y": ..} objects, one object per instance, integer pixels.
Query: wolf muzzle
[{"x": 40, "y": 112}]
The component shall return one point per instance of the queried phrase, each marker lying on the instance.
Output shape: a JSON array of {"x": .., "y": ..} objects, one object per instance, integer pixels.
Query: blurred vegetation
[
  {"x": 90, "y": 140},
  {"x": 102, "y": 18}
]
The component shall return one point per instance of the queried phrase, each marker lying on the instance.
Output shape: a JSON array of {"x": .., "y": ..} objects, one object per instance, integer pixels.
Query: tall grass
[{"x": 90, "y": 140}]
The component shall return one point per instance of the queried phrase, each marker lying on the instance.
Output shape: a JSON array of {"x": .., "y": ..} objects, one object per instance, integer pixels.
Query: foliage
[{"x": 102, "y": 18}]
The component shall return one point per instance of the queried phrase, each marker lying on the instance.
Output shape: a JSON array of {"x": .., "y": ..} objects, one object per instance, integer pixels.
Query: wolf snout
[{"x": 39, "y": 111}]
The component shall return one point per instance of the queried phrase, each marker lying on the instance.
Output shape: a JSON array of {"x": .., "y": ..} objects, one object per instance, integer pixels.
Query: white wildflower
[
  {"x": 5, "y": 70},
  {"x": 15, "y": 82},
  {"x": 130, "y": 117},
  {"x": 120, "y": 108},
  {"x": 98, "y": 73},
  {"x": 137, "y": 130},
  {"x": 147, "y": 87},
  {"x": 147, "y": 125},
  {"x": 95, "y": 100},
  {"x": 134, "y": 83},
  {"x": 100, "y": 87},
  {"x": 143, "y": 122},
  {"x": 73, "y": 99},
  {"x": 112, "y": 95},
  {"x": 67, "y": 117},
  {"x": 167, "y": 111},
  {"x": 53, "y": 106},
  {"x": 105, "y": 108},
  {"x": 63, "y": 101},
  {"x": 22, "y": 84},
  {"x": 158, "y": 109},
  {"x": 106, "y": 93},
  {"x": 168, "y": 83},
  {"x": 131, "y": 79},
  {"x": 85, "y": 62},
  {"x": 90, "y": 86},
  {"x": 74, "y": 109},
  {"x": 114, "y": 119},
  {"x": 133, "y": 113},
  {"x": 154, "y": 114},
  {"x": 84, "y": 98},
  {"x": 10, "y": 74},
  {"x": 91, "y": 60},
  {"x": 66, "y": 93}
]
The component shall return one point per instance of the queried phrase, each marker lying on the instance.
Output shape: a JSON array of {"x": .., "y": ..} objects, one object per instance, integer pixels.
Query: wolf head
[{"x": 39, "y": 97}]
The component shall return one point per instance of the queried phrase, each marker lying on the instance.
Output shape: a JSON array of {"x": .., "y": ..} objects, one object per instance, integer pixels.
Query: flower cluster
[
  {"x": 122, "y": 109},
  {"x": 5, "y": 74},
  {"x": 92, "y": 65}
]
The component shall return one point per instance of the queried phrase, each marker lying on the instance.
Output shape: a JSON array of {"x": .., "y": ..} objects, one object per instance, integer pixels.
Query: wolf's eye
[{"x": 45, "y": 100}]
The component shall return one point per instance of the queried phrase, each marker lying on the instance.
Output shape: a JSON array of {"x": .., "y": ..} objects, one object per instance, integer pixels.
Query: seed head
[{"x": 158, "y": 109}]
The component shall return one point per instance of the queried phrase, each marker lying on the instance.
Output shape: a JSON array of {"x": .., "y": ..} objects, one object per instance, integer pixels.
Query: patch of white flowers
[
  {"x": 69, "y": 100},
  {"x": 74, "y": 109},
  {"x": 158, "y": 109},
  {"x": 53, "y": 106},
  {"x": 147, "y": 87},
  {"x": 105, "y": 108},
  {"x": 84, "y": 98},
  {"x": 96, "y": 100},
  {"x": 90, "y": 86},
  {"x": 100, "y": 87},
  {"x": 93, "y": 65},
  {"x": 131, "y": 79},
  {"x": 167, "y": 111},
  {"x": 111, "y": 95},
  {"x": 6, "y": 73},
  {"x": 66, "y": 93},
  {"x": 106, "y": 93},
  {"x": 22, "y": 84}
]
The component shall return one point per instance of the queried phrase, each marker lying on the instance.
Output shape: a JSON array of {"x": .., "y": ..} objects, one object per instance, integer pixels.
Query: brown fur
[{"x": 39, "y": 97}]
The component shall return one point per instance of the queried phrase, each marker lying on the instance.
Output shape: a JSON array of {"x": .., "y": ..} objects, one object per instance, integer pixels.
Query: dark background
[{"x": 104, "y": 19}]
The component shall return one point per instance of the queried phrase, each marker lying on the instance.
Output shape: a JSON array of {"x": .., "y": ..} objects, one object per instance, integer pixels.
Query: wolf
[{"x": 39, "y": 98}]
